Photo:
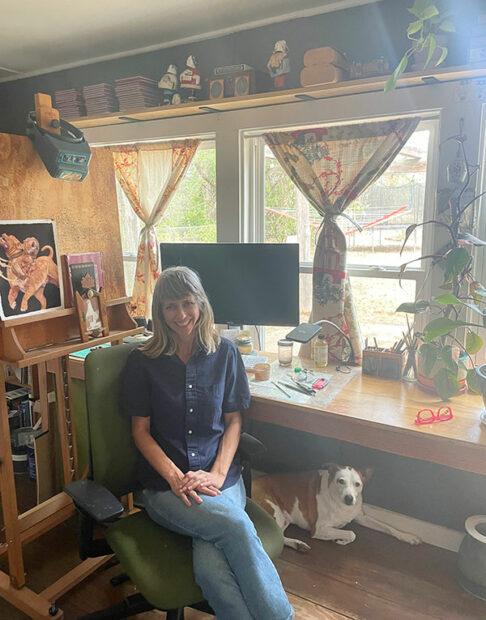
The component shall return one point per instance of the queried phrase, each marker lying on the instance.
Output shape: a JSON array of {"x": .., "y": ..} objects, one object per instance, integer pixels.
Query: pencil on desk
[{"x": 281, "y": 389}]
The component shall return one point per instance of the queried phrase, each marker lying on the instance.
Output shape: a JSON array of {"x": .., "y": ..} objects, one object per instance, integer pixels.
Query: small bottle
[
  {"x": 244, "y": 344},
  {"x": 320, "y": 352}
]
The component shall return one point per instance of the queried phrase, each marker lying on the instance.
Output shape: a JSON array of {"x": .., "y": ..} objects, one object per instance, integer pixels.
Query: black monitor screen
[{"x": 247, "y": 283}]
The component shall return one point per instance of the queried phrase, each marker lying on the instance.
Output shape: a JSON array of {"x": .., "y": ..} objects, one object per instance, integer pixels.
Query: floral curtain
[
  {"x": 332, "y": 167},
  {"x": 149, "y": 174}
]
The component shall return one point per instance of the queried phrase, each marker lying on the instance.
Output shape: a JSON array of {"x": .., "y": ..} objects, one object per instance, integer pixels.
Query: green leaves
[
  {"x": 441, "y": 327},
  {"x": 423, "y": 32},
  {"x": 455, "y": 262},
  {"x": 473, "y": 343},
  {"x": 414, "y": 307},
  {"x": 447, "y": 299},
  {"x": 473, "y": 381},
  {"x": 429, "y": 353},
  {"x": 446, "y": 383}
]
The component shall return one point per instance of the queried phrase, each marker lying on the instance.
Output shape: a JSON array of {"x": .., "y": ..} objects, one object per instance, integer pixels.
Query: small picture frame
[
  {"x": 74, "y": 267},
  {"x": 30, "y": 276},
  {"x": 92, "y": 316}
]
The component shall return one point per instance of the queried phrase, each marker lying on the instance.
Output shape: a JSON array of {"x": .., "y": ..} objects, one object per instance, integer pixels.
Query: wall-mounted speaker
[{"x": 216, "y": 88}]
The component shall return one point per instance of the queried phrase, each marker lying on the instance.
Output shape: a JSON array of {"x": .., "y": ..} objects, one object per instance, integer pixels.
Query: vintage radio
[{"x": 232, "y": 85}]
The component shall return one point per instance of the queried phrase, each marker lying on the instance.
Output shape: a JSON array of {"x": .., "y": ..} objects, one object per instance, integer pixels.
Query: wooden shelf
[
  {"x": 323, "y": 91},
  {"x": 25, "y": 341}
]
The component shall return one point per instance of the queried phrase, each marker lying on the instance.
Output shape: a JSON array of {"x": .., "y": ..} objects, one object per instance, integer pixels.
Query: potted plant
[
  {"x": 450, "y": 337},
  {"x": 427, "y": 33}
]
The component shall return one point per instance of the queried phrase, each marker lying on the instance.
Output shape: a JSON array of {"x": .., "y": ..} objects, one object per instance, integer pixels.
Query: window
[
  {"x": 384, "y": 211},
  {"x": 190, "y": 216}
]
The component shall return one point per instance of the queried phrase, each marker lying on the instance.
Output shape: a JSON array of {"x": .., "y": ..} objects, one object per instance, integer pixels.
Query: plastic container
[
  {"x": 320, "y": 352},
  {"x": 20, "y": 461}
]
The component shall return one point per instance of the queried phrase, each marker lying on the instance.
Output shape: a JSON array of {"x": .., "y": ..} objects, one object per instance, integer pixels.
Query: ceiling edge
[{"x": 337, "y": 5}]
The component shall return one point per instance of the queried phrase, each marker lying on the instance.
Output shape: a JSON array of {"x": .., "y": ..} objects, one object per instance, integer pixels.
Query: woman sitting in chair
[{"x": 184, "y": 390}]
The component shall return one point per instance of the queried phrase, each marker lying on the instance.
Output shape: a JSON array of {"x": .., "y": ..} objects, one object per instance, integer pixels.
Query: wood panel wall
[{"x": 86, "y": 213}]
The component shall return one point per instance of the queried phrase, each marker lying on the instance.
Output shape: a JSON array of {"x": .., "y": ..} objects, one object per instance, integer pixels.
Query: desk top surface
[{"x": 380, "y": 413}]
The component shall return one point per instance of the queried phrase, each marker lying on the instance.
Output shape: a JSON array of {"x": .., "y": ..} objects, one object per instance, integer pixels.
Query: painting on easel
[{"x": 30, "y": 277}]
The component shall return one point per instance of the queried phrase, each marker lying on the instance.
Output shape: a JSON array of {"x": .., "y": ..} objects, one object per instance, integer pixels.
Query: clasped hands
[{"x": 188, "y": 486}]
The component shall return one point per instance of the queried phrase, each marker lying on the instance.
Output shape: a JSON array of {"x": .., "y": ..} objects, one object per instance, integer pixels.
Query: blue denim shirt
[{"x": 186, "y": 403}]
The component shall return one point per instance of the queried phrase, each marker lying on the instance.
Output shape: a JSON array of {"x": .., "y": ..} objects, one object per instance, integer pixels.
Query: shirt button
[
  {"x": 189, "y": 386},
  {"x": 191, "y": 410},
  {"x": 193, "y": 454},
  {"x": 189, "y": 432}
]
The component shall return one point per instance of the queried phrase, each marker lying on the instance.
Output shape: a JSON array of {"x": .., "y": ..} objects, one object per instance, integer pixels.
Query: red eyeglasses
[{"x": 427, "y": 416}]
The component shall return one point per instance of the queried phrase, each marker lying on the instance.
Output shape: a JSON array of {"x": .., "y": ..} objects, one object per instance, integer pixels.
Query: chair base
[
  {"x": 136, "y": 604},
  {"x": 130, "y": 606}
]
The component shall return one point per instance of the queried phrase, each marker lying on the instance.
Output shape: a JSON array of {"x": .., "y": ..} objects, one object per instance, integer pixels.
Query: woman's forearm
[
  {"x": 154, "y": 454},
  {"x": 228, "y": 444}
]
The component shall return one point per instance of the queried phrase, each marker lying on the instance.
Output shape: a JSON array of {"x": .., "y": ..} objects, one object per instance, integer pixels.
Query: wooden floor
[{"x": 374, "y": 578}]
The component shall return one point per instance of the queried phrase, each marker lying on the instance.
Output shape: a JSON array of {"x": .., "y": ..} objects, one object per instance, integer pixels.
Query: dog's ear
[
  {"x": 332, "y": 469},
  {"x": 366, "y": 474}
]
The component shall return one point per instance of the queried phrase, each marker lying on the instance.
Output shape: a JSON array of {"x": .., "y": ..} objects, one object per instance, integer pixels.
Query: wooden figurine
[
  {"x": 169, "y": 86},
  {"x": 91, "y": 307},
  {"x": 190, "y": 80},
  {"x": 279, "y": 65}
]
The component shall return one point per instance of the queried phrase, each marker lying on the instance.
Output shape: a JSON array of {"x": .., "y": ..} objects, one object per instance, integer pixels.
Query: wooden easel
[{"x": 44, "y": 342}]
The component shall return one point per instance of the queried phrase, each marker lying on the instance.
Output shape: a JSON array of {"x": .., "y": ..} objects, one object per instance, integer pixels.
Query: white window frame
[
  {"x": 207, "y": 142},
  {"x": 253, "y": 216}
]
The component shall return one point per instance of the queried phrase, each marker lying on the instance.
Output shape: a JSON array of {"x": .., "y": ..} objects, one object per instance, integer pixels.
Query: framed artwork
[
  {"x": 30, "y": 277},
  {"x": 74, "y": 267}
]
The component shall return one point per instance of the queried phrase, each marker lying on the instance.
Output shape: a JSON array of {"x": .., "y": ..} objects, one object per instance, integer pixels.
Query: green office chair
[{"x": 158, "y": 561}]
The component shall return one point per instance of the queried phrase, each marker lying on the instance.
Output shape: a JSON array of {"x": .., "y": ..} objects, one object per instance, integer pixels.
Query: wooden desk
[{"x": 379, "y": 413}]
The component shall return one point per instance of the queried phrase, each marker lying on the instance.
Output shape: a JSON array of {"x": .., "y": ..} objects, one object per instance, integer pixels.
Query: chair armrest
[
  {"x": 249, "y": 446},
  {"x": 95, "y": 500}
]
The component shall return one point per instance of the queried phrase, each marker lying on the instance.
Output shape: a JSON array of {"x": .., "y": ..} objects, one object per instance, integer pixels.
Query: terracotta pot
[{"x": 426, "y": 382}]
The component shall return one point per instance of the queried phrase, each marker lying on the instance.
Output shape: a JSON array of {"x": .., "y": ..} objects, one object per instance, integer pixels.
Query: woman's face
[{"x": 181, "y": 316}]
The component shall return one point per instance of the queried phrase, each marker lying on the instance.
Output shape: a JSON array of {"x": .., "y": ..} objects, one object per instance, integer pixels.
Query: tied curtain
[
  {"x": 149, "y": 174},
  {"x": 332, "y": 167}
]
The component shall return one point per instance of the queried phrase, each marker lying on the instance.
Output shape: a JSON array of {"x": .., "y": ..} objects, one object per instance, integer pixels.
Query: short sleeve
[
  {"x": 236, "y": 390},
  {"x": 135, "y": 391}
]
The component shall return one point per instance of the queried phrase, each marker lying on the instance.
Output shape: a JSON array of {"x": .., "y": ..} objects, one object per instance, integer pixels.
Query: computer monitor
[{"x": 247, "y": 283}]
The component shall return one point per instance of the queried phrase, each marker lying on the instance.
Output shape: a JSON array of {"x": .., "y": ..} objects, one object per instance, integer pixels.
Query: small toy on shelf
[
  {"x": 278, "y": 64},
  {"x": 169, "y": 85},
  {"x": 190, "y": 80},
  {"x": 232, "y": 81}
]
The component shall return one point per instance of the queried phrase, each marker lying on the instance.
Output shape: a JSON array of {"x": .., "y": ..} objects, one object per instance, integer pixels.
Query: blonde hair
[{"x": 176, "y": 283}]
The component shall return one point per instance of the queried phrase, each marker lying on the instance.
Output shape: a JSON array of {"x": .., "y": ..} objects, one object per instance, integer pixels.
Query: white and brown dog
[{"x": 321, "y": 502}]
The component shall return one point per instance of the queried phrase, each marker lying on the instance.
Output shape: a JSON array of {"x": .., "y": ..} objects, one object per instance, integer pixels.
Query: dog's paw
[
  {"x": 348, "y": 538},
  {"x": 302, "y": 547},
  {"x": 298, "y": 545},
  {"x": 411, "y": 539}
]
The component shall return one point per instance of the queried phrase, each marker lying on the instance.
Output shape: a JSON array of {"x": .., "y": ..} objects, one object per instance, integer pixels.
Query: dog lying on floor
[
  {"x": 321, "y": 502},
  {"x": 26, "y": 271}
]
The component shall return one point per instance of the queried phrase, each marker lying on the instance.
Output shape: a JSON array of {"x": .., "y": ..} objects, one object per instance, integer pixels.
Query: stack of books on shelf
[
  {"x": 137, "y": 92},
  {"x": 69, "y": 103},
  {"x": 100, "y": 99}
]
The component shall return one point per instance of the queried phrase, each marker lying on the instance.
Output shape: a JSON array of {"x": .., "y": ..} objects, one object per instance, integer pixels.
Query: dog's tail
[{"x": 49, "y": 248}]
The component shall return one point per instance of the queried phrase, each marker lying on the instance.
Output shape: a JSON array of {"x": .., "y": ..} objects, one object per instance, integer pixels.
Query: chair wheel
[
  {"x": 119, "y": 579},
  {"x": 53, "y": 609}
]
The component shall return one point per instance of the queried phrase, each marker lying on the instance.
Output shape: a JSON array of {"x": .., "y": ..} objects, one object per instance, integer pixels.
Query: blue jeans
[{"x": 231, "y": 567}]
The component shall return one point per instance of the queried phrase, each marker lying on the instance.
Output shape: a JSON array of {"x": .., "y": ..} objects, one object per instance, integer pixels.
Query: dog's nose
[{"x": 348, "y": 500}]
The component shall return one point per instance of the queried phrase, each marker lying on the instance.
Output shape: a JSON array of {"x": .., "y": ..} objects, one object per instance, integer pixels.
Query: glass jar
[
  {"x": 285, "y": 348},
  {"x": 320, "y": 352},
  {"x": 244, "y": 344}
]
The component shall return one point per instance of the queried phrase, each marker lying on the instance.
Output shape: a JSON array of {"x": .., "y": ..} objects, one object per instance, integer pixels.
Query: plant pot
[
  {"x": 481, "y": 371},
  {"x": 471, "y": 559},
  {"x": 420, "y": 57},
  {"x": 426, "y": 382}
]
